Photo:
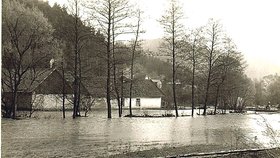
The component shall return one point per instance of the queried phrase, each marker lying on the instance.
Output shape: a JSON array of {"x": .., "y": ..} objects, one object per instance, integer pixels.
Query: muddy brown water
[{"x": 48, "y": 135}]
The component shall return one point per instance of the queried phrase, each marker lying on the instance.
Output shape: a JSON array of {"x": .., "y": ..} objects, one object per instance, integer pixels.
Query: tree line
[
  {"x": 210, "y": 56},
  {"x": 267, "y": 90},
  {"x": 32, "y": 29},
  {"x": 204, "y": 66}
]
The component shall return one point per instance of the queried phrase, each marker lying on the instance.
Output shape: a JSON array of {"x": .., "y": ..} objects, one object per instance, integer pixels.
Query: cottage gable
[
  {"x": 53, "y": 84},
  {"x": 143, "y": 89},
  {"x": 41, "y": 81},
  {"x": 30, "y": 80}
]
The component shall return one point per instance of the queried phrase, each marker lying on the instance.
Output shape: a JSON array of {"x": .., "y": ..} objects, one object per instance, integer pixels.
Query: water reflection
[{"x": 96, "y": 135}]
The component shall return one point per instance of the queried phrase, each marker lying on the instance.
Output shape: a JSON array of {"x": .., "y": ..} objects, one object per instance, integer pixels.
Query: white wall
[
  {"x": 54, "y": 101},
  {"x": 144, "y": 103},
  {"x": 101, "y": 103},
  {"x": 49, "y": 102}
]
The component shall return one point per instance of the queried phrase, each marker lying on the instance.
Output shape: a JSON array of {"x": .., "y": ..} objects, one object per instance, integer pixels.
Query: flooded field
[{"x": 49, "y": 135}]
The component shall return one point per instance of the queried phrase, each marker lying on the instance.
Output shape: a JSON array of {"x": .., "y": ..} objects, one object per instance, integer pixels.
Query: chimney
[
  {"x": 147, "y": 77},
  {"x": 51, "y": 63}
]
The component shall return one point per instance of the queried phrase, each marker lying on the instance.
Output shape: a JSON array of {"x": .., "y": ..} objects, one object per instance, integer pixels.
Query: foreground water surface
[{"x": 48, "y": 135}]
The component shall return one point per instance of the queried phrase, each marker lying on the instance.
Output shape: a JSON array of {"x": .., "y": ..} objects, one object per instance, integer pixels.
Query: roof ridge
[
  {"x": 156, "y": 86},
  {"x": 44, "y": 78}
]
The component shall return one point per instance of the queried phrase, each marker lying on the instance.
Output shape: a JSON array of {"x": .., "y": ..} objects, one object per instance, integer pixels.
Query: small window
[{"x": 138, "y": 102}]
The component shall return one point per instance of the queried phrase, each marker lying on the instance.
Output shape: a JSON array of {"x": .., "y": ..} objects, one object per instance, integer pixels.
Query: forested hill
[
  {"x": 63, "y": 25},
  {"x": 93, "y": 55}
]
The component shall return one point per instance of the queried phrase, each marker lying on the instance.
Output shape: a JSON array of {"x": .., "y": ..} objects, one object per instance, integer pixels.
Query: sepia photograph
[{"x": 140, "y": 78}]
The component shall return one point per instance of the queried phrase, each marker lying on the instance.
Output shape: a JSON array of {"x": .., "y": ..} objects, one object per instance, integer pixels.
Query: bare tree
[
  {"x": 171, "y": 23},
  {"x": 194, "y": 49},
  {"x": 135, "y": 44},
  {"x": 230, "y": 61},
  {"x": 60, "y": 59},
  {"x": 118, "y": 28},
  {"x": 109, "y": 15},
  {"x": 212, "y": 53},
  {"x": 63, "y": 88},
  {"x": 27, "y": 41},
  {"x": 79, "y": 36}
]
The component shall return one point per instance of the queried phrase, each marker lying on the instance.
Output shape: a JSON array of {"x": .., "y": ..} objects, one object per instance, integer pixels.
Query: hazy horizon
[
  {"x": 254, "y": 69},
  {"x": 251, "y": 24}
]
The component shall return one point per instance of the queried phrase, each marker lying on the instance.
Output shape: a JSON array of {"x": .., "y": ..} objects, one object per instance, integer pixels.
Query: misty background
[{"x": 252, "y": 24}]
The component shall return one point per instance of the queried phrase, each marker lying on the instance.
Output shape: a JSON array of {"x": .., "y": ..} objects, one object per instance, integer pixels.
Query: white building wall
[
  {"x": 49, "y": 102},
  {"x": 133, "y": 103},
  {"x": 150, "y": 102},
  {"x": 101, "y": 103},
  {"x": 144, "y": 103},
  {"x": 54, "y": 102}
]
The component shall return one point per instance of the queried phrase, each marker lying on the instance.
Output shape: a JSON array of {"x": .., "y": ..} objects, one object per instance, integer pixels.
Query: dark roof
[
  {"x": 30, "y": 80},
  {"x": 44, "y": 81},
  {"x": 96, "y": 86},
  {"x": 143, "y": 88}
]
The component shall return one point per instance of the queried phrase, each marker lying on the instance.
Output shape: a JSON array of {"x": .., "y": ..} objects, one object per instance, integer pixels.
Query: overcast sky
[{"x": 254, "y": 25}]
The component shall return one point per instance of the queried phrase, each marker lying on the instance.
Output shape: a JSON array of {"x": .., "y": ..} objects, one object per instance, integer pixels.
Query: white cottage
[
  {"x": 48, "y": 92},
  {"x": 42, "y": 89},
  {"x": 145, "y": 94}
]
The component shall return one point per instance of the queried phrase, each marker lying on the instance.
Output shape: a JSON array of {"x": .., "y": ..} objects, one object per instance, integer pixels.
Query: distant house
[
  {"x": 41, "y": 90},
  {"x": 145, "y": 94}
]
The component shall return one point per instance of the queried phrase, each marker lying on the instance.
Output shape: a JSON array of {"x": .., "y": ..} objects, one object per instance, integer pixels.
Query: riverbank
[{"x": 202, "y": 150}]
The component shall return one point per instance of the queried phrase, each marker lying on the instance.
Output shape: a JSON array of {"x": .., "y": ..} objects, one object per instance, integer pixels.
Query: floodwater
[{"x": 48, "y": 135}]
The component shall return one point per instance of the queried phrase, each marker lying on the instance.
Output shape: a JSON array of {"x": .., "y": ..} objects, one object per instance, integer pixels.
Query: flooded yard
[{"x": 51, "y": 136}]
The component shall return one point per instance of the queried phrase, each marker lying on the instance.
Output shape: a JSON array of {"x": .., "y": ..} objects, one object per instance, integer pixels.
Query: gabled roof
[
  {"x": 42, "y": 81},
  {"x": 30, "y": 80},
  {"x": 96, "y": 86},
  {"x": 143, "y": 88}
]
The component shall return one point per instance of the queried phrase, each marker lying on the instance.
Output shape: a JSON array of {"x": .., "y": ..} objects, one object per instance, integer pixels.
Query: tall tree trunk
[
  {"x": 209, "y": 72},
  {"x": 14, "y": 103},
  {"x": 174, "y": 67},
  {"x": 218, "y": 92},
  {"x": 63, "y": 91},
  {"x": 78, "y": 98},
  {"x": 207, "y": 92},
  {"x": 216, "y": 99},
  {"x": 76, "y": 63},
  {"x": 116, "y": 86},
  {"x": 108, "y": 84},
  {"x": 132, "y": 62},
  {"x": 115, "y": 67},
  {"x": 79, "y": 85},
  {"x": 122, "y": 99},
  {"x": 117, "y": 91},
  {"x": 15, "y": 93},
  {"x": 130, "y": 85},
  {"x": 193, "y": 82}
]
